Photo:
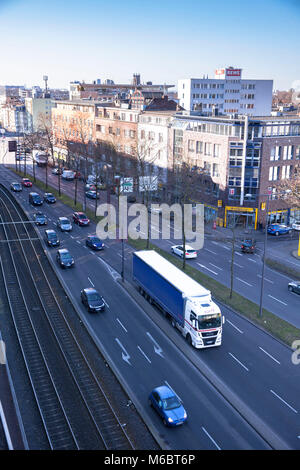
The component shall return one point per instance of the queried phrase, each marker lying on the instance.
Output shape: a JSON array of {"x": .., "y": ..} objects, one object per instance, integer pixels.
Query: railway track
[{"x": 75, "y": 411}]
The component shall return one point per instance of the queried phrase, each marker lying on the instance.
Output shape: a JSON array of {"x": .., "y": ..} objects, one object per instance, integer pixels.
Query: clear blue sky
[{"x": 163, "y": 40}]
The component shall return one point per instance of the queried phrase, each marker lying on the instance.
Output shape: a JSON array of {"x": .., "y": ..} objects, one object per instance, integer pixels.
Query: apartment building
[
  {"x": 72, "y": 121},
  {"x": 13, "y": 117},
  {"x": 38, "y": 110},
  {"x": 242, "y": 160},
  {"x": 226, "y": 93}
]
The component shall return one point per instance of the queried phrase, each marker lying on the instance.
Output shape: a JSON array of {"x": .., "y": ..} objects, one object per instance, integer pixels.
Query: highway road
[
  {"x": 215, "y": 260},
  {"x": 146, "y": 351}
]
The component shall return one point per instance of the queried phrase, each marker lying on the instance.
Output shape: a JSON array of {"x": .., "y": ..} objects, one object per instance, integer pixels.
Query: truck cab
[{"x": 203, "y": 322}]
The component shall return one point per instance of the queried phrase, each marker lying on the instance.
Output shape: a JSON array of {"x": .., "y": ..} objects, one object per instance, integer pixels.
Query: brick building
[{"x": 241, "y": 159}]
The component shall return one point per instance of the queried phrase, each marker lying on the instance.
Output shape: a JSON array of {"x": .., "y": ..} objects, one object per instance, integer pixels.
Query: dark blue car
[
  {"x": 94, "y": 242},
  {"x": 167, "y": 404},
  {"x": 278, "y": 229},
  {"x": 49, "y": 198}
]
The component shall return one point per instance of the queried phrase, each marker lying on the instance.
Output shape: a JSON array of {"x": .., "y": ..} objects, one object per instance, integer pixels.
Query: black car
[
  {"x": 40, "y": 218},
  {"x": 91, "y": 298},
  {"x": 94, "y": 242},
  {"x": 64, "y": 258},
  {"x": 49, "y": 198},
  {"x": 17, "y": 187},
  {"x": 248, "y": 246},
  {"x": 294, "y": 286},
  {"x": 51, "y": 238}
]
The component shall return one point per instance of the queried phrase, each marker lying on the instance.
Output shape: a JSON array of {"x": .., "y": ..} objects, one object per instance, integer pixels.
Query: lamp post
[{"x": 264, "y": 260}]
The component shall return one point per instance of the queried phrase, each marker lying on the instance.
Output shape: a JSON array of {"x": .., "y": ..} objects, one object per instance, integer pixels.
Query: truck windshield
[{"x": 209, "y": 321}]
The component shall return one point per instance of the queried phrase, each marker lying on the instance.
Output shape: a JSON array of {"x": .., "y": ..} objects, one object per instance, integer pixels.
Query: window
[
  {"x": 199, "y": 147},
  {"x": 142, "y": 134},
  {"x": 160, "y": 137},
  {"x": 275, "y": 153},
  {"x": 217, "y": 150},
  {"x": 215, "y": 170},
  {"x": 287, "y": 152},
  {"x": 191, "y": 145},
  {"x": 273, "y": 173},
  {"x": 207, "y": 148}
]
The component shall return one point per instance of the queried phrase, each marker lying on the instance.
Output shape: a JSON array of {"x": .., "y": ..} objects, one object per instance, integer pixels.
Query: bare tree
[{"x": 289, "y": 189}]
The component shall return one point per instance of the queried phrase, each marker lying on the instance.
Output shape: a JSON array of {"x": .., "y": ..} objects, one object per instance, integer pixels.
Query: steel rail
[{"x": 99, "y": 406}]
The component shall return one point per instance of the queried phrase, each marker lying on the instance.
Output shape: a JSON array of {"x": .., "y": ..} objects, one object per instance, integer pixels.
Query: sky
[{"x": 163, "y": 40}]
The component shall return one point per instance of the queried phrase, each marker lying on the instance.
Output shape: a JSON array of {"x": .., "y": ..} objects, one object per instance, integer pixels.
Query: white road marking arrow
[
  {"x": 125, "y": 355},
  {"x": 157, "y": 348}
]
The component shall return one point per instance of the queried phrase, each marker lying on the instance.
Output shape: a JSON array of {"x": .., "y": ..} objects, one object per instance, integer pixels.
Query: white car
[
  {"x": 296, "y": 225},
  {"x": 189, "y": 251},
  {"x": 64, "y": 224}
]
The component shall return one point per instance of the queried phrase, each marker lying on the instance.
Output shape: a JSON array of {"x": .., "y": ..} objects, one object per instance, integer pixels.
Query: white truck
[{"x": 188, "y": 304}]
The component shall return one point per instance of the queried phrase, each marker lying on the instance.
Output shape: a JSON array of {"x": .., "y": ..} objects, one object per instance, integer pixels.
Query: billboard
[{"x": 148, "y": 183}]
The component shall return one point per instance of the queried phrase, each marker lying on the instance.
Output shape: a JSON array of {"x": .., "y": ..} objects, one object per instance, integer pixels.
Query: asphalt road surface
[{"x": 255, "y": 367}]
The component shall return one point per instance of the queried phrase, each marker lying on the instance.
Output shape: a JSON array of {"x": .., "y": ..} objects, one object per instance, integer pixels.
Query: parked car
[
  {"x": 168, "y": 405},
  {"x": 248, "y": 246},
  {"x": 56, "y": 171},
  {"x": 68, "y": 175},
  {"x": 17, "y": 187},
  {"x": 92, "y": 194},
  {"x": 35, "y": 199},
  {"x": 64, "y": 224},
  {"x": 51, "y": 238},
  {"x": 278, "y": 229},
  {"x": 94, "y": 242},
  {"x": 189, "y": 251},
  {"x": 131, "y": 198},
  {"x": 64, "y": 258},
  {"x": 90, "y": 186},
  {"x": 81, "y": 219},
  {"x": 91, "y": 298},
  {"x": 26, "y": 183},
  {"x": 49, "y": 198},
  {"x": 296, "y": 225},
  {"x": 294, "y": 286},
  {"x": 40, "y": 218}
]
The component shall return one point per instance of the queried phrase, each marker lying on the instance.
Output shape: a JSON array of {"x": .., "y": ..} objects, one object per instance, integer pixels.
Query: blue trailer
[{"x": 187, "y": 303}]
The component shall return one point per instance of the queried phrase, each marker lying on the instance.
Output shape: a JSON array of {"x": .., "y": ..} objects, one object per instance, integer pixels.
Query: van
[
  {"x": 68, "y": 175},
  {"x": 35, "y": 199}
]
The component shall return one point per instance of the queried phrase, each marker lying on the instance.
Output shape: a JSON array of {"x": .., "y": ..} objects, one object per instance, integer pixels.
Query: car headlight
[
  {"x": 170, "y": 420},
  {"x": 185, "y": 415}
]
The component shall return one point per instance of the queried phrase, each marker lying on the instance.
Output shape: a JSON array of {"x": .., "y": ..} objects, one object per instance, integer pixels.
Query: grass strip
[
  {"x": 279, "y": 328},
  {"x": 282, "y": 268}
]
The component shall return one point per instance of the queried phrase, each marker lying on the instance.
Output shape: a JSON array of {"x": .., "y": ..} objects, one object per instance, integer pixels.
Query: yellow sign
[
  {"x": 263, "y": 206},
  {"x": 240, "y": 209},
  {"x": 220, "y": 203}
]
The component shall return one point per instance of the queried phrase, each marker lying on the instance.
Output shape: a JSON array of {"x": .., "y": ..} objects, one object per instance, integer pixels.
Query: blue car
[
  {"x": 278, "y": 229},
  {"x": 94, "y": 242},
  {"x": 167, "y": 404}
]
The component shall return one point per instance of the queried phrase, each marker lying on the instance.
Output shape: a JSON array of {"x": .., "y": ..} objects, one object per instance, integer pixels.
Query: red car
[
  {"x": 26, "y": 182},
  {"x": 80, "y": 218}
]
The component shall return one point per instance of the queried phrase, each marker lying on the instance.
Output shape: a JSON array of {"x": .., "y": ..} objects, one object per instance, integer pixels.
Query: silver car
[{"x": 64, "y": 224}]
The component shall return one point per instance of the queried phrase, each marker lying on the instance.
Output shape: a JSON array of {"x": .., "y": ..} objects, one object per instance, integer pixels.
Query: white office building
[{"x": 226, "y": 93}]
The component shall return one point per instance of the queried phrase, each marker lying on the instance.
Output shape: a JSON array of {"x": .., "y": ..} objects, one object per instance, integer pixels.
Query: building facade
[
  {"x": 226, "y": 93},
  {"x": 242, "y": 162}
]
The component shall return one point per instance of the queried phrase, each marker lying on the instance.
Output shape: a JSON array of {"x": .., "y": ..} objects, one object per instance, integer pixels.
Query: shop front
[{"x": 243, "y": 217}]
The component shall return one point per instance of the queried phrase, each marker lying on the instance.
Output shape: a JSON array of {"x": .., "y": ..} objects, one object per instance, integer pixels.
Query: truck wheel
[
  {"x": 173, "y": 323},
  {"x": 189, "y": 339}
]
